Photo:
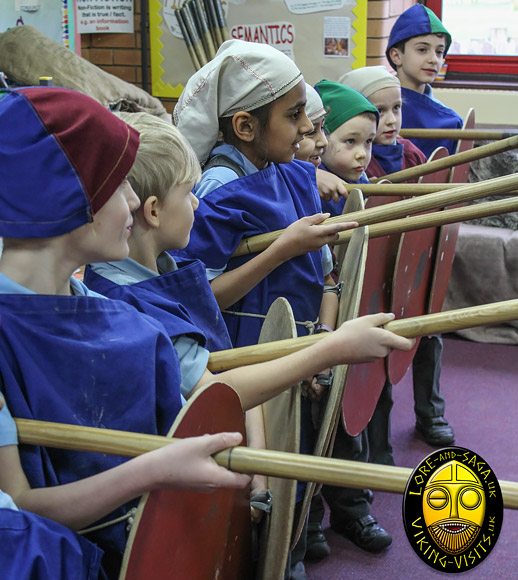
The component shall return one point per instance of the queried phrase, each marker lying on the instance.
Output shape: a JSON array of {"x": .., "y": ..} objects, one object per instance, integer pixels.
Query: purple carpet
[{"x": 479, "y": 382}]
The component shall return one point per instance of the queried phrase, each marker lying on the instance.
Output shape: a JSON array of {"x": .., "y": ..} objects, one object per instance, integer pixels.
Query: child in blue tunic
[
  {"x": 250, "y": 100},
  {"x": 313, "y": 146},
  {"x": 416, "y": 49},
  {"x": 391, "y": 154},
  {"x": 351, "y": 125},
  {"x": 67, "y": 354},
  {"x": 34, "y": 546}
]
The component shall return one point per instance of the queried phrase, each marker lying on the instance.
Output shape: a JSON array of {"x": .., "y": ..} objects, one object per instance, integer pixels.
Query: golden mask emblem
[{"x": 454, "y": 506}]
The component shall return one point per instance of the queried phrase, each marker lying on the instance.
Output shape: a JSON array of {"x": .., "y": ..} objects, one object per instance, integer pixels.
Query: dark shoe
[
  {"x": 436, "y": 431},
  {"x": 366, "y": 534},
  {"x": 317, "y": 547}
]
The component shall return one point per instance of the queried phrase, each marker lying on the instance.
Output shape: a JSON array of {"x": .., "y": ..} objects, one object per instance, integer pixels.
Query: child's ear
[
  {"x": 395, "y": 55},
  {"x": 151, "y": 211},
  {"x": 245, "y": 126}
]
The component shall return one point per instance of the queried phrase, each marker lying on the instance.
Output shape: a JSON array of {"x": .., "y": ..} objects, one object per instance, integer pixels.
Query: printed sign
[{"x": 104, "y": 16}]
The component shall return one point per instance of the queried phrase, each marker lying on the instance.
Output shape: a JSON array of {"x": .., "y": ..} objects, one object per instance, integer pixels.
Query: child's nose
[
  {"x": 131, "y": 198},
  {"x": 306, "y": 125},
  {"x": 322, "y": 140}
]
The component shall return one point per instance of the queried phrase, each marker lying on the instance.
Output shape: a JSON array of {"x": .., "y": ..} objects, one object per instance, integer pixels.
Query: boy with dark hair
[{"x": 416, "y": 49}]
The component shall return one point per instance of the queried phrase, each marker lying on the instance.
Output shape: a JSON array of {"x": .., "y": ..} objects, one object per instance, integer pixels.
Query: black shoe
[
  {"x": 366, "y": 534},
  {"x": 317, "y": 547},
  {"x": 436, "y": 431}
]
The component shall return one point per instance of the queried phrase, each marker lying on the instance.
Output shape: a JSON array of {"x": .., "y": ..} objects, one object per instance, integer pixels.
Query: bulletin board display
[
  {"x": 54, "y": 18},
  {"x": 325, "y": 38}
]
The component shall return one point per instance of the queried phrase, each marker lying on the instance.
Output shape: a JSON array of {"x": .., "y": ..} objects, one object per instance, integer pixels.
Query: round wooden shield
[
  {"x": 351, "y": 274},
  {"x": 282, "y": 431},
  {"x": 180, "y": 534},
  {"x": 354, "y": 202},
  {"x": 412, "y": 276},
  {"x": 449, "y": 233}
]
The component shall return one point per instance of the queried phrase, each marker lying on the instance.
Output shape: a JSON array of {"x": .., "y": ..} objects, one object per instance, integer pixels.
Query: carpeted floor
[{"x": 479, "y": 382}]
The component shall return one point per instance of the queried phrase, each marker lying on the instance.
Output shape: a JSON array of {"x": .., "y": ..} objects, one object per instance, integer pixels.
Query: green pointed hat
[{"x": 342, "y": 103}]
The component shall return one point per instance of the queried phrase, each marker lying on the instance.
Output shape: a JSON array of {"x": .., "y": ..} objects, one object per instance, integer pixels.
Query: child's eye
[
  {"x": 381, "y": 110},
  {"x": 349, "y": 141},
  {"x": 296, "y": 114},
  {"x": 369, "y": 142},
  {"x": 397, "y": 107}
]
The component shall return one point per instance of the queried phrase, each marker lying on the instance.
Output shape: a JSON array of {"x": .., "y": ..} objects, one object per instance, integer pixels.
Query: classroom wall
[{"x": 119, "y": 54}]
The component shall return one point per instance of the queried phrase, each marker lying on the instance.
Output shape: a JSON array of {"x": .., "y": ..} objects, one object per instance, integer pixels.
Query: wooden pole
[
  {"x": 435, "y": 219},
  {"x": 437, "y": 323},
  {"x": 452, "y": 160},
  {"x": 189, "y": 24},
  {"x": 398, "y": 209},
  {"x": 408, "y": 189},
  {"x": 222, "y": 21},
  {"x": 240, "y": 459},
  {"x": 202, "y": 26},
  {"x": 475, "y": 134},
  {"x": 212, "y": 19},
  {"x": 187, "y": 39}
]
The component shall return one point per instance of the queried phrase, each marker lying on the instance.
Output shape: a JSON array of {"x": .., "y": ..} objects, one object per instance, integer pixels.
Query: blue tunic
[
  {"x": 268, "y": 200},
  {"x": 424, "y": 112},
  {"x": 33, "y": 547},
  {"x": 88, "y": 361},
  {"x": 181, "y": 299}
]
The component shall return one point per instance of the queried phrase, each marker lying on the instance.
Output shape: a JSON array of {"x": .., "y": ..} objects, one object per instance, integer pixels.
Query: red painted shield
[
  {"x": 448, "y": 234},
  {"x": 358, "y": 402},
  {"x": 179, "y": 535},
  {"x": 412, "y": 276}
]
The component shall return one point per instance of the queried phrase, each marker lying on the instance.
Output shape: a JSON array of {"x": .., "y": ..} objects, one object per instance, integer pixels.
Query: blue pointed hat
[{"x": 415, "y": 21}]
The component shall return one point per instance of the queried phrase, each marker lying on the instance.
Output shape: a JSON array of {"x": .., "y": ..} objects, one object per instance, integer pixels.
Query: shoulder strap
[{"x": 223, "y": 161}]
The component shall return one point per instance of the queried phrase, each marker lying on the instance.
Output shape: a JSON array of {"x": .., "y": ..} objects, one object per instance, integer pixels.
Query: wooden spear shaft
[
  {"x": 475, "y": 134},
  {"x": 240, "y": 459},
  {"x": 435, "y": 219},
  {"x": 452, "y": 160},
  {"x": 408, "y": 189},
  {"x": 398, "y": 209},
  {"x": 427, "y": 324}
]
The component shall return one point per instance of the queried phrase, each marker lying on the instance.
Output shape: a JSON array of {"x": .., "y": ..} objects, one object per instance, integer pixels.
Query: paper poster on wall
[
  {"x": 108, "y": 16},
  {"x": 336, "y": 37},
  {"x": 302, "y": 29},
  {"x": 55, "y": 18}
]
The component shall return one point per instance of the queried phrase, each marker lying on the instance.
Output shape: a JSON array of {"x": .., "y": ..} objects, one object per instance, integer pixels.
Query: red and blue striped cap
[{"x": 62, "y": 156}]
